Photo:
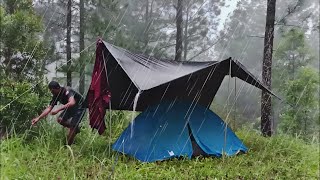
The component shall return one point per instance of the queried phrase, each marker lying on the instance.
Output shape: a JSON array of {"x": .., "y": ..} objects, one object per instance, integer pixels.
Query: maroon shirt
[{"x": 99, "y": 92}]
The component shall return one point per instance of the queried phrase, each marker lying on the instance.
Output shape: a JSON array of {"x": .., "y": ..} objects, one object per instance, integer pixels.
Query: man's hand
[
  {"x": 42, "y": 115},
  {"x": 55, "y": 112},
  {"x": 34, "y": 121}
]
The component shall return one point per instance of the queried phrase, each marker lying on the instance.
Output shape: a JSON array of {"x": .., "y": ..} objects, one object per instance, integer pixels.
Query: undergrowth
[{"x": 41, "y": 154}]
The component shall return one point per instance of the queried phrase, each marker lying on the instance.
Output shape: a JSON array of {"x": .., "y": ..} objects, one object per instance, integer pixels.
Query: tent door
[{"x": 197, "y": 151}]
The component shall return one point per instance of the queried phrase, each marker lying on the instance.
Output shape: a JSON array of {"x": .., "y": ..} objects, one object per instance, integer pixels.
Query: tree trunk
[
  {"x": 146, "y": 24},
  {"x": 179, "y": 31},
  {"x": 8, "y": 51},
  {"x": 81, "y": 44},
  {"x": 185, "y": 39},
  {"x": 10, "y": 6},
  {"x": 266, "y": 119},
  {"x": 68, "y": 48}
]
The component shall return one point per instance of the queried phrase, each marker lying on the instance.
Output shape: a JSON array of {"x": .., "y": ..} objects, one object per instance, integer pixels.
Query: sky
[{"x": 226, "y": 12}]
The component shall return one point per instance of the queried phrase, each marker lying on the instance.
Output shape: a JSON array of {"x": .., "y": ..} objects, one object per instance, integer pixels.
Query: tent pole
[
  {"x": 235, "y": 103},
  {"x": 226, "y": 123},
  {"x": 110, "y": 123}
]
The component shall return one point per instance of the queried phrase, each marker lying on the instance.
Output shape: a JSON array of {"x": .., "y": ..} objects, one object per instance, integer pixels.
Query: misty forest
[{"x": 169, "y": 89}]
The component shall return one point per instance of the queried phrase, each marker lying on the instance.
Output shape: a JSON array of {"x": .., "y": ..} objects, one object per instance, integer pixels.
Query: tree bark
[
  {"x": 68, "y": 48},
  {"x": 81, "y": 44},
  {"x": 8, "y": 52},
  {"x": 146, "y": 35},
  {"x": 266, "y": 119},
  {"x": 10, "y": 6},
  {"x": 185, "y": 47},
  {"x": 179, "y": 31}
]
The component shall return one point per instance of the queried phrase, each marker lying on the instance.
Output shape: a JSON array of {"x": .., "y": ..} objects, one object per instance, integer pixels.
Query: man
[{"x": 72, "y": 109}]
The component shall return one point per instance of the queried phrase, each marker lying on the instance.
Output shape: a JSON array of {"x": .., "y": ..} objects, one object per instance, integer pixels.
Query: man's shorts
[{"x": 72, "y": 116}]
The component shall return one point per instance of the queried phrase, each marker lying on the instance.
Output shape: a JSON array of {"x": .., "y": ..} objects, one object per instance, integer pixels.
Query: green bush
[
  {"x": 298, "y": 115},
  {"x": 20, "y": 102}
]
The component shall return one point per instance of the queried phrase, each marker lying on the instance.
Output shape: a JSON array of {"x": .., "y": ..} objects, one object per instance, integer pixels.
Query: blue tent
[{"x": 174, "y": 129}]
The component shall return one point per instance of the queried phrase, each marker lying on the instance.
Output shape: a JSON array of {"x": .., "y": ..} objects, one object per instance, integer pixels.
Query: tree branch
[
  {"x": 288, "y": 25},
  {"x": 256, "y": 36},
  {"x": 206, "y": 49},
  {"x": 170, "y": 45},
  {"x": 290, "y": 10}
]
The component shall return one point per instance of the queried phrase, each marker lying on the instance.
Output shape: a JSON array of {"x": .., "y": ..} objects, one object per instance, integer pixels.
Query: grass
[{"x": 40, "y": 154}]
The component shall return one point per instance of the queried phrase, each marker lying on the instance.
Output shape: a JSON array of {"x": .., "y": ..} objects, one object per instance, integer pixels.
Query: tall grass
[{"x": 40, "y": 154}]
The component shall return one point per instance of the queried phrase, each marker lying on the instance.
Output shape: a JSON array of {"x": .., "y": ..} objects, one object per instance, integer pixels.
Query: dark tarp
[{"x": 158, "y": 80}]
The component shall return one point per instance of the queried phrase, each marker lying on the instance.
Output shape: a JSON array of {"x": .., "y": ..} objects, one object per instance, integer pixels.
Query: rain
[{"x": 167, "y": 86}]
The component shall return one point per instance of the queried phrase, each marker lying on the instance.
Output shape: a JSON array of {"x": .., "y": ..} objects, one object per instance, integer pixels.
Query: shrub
[{"x": 20, "y": 102}]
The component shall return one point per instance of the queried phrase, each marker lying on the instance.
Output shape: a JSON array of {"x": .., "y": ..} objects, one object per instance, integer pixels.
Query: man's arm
[
  {"x": 43, "y": 114},
  {"x": 71, "y": 102}
]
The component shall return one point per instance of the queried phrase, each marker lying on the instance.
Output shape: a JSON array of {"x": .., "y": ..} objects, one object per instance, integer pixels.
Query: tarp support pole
[
  {"x": 235, "y": 103},
  {"x": 228, "y": 105},
  {"x": 110, "y": 123}
]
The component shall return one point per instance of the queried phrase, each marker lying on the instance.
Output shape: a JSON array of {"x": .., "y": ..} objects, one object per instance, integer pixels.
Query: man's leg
[
  {"x": 63, "y": 123},
  {"x": 73, "y": 124},
  {"x": 71, "y": 135},
  {"x": 75, "y": 129}
]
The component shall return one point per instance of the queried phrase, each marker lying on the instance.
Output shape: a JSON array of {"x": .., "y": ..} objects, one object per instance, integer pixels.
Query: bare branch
[
  {"x": 290, "y": 10},
  {"x": 298, "y": 26},
  {"x": 169, "y": 45},
  {"x": 256, "y": 36},
  {"x": 206, "y": 49}
]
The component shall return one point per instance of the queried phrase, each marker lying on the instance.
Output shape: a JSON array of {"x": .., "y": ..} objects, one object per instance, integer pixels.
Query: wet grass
[{"x": 40, "y": 154}]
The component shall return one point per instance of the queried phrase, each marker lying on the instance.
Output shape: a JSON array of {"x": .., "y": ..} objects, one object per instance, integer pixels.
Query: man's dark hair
[{"x": 54, "y": 85}]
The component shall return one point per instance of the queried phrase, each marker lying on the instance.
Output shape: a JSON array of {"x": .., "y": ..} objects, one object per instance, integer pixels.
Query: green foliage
[
  {"x": 101, "y": 18},
  {"x": 199, "y": 19},
  {"x": 21, "y": 47},
  {"x": 298, "y": 85},
  {"x": 298, "y": 117},
  {"x": 45, "y": 157},
  {"x": 20, "y": 102},
  {"x": 291, "y": 54}
]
